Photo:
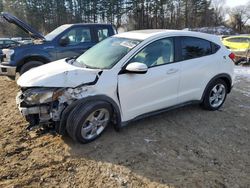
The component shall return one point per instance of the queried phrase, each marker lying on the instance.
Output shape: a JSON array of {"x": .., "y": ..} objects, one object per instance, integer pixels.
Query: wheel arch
[
  {"x": 116, "y": 119},
  {"x": 31, "y": 58},
  {"x": 225, "y": 77}
]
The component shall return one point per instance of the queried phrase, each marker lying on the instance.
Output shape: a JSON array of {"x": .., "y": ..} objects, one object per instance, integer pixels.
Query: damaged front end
[{"x": 44, "y": 106}]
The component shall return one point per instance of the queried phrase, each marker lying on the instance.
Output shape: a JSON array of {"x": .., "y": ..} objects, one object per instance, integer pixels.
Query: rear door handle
[{"x": 172, "y": 71}]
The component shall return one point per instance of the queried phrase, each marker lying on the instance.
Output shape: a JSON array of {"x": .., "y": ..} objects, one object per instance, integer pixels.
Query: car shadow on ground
[{"x": 186, "y": 146}]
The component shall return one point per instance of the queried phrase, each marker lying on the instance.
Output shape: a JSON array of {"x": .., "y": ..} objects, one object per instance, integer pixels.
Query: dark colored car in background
[
  {"x": 65, "y": 41},
  {"x": 6, "y": 43}
]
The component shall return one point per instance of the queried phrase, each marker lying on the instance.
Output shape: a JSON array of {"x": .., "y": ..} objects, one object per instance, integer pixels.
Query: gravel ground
[{"x": 187, "y": 147}]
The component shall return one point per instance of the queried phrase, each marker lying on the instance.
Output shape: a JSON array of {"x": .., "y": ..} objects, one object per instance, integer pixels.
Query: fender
[
  {"x": 220, "y": 76},
  {"x": 32, "y": 57},
  {"x": 61, "y": 126}
]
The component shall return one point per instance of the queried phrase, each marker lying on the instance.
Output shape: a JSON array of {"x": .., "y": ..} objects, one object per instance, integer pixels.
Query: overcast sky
[{"x": 233, "y": 3}]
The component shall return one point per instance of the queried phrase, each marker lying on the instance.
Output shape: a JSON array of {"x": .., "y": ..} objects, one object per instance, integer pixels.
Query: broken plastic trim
[{"x": 90, "y": 83}]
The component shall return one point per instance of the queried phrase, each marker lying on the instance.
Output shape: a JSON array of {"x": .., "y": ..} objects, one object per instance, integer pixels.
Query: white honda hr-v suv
[{"x": 127, "y": 77}]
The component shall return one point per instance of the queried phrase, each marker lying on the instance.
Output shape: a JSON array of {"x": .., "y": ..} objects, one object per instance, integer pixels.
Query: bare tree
[
  {"x": 239, "y": 16},
  {"x": 219, "y": 11}
]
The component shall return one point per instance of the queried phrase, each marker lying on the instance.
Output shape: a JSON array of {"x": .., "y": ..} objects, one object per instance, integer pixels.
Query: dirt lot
[{"x": 188, "y": 147}]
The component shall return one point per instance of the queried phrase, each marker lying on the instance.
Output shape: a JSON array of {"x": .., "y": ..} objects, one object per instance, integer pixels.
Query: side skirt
[{"x": 153, "y": 113}]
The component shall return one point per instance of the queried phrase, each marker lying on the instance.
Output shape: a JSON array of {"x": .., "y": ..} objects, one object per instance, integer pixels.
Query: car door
[
  {"x": 197, "y": 67},
  {"x": 154, "y": 90},
  {"x": 79, "y": 40}
]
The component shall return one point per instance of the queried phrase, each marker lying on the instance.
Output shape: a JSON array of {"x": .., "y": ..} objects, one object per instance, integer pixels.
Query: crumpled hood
[{"x": 57, "y": 74}]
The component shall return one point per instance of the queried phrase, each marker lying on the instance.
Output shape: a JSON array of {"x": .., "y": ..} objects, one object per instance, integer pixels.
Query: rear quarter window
[{"x": 192, "y": 47}]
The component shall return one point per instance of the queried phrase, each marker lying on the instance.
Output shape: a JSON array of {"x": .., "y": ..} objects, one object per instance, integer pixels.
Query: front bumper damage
[
  {"x": 35, "y": 115},
  {"x": 40, "y": 107}
]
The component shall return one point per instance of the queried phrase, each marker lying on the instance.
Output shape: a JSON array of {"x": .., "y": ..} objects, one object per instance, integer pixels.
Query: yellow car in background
[{"x": 237, "y": 43}]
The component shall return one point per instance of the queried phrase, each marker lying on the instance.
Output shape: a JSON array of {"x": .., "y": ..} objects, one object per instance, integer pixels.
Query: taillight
[{"x": 232, "y": 56}]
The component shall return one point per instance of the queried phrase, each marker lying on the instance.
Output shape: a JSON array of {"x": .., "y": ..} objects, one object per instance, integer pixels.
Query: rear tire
[
  {"x": 29, "y": 65},
  {"x": 215, "y": 95},
  {"x": 87, "y": 121}
]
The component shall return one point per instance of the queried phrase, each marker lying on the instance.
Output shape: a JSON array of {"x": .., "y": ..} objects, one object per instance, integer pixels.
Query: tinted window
[
  {"x": 215, "y": 47},
  {"x": 9, "y": 42},
  {"x": 102, "y": 33},
  {"x": 157, "y": 53},
  {"x": 194, "y": 48},
  {"x": 237, "y": 40},
  {"x": 245, "y": 40},
  {"x": 78, "y": 35}
]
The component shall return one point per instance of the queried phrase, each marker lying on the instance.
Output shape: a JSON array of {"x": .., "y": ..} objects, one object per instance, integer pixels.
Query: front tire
[
  {"x": 215, "y": 95},
  {"x": 29, "y": 65},
  {"x": 88, "y": 121}
]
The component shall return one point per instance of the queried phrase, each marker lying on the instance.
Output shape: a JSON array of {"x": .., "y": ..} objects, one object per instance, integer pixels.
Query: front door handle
[{"x": 172, "y": 71}]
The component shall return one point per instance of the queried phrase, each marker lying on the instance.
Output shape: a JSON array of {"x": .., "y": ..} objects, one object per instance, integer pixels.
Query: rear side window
[
  {"x": 192, "y": 47},
  {"x": 102, "y": 33}
]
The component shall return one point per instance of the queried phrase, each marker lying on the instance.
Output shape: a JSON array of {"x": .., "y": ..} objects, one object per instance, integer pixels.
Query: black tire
[
  {"x": 29, "y": 65},
  {"x": 206, "y": 104},
  {"x": 61, "y": 127},
  {"x": 79, "y": 115}
]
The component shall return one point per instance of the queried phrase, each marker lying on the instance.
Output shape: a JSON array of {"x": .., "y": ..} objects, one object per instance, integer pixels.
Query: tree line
[{"x": 46, "y": 15}]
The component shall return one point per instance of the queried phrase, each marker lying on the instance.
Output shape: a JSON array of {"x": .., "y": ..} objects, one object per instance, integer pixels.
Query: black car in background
[{"x": 7, "y": 43}]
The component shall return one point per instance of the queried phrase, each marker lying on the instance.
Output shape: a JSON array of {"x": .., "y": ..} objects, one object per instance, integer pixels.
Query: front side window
[
  {"x": 56, "y": 32},
  {"x": 106, "y": 53},
  {"x": 102, "y": 33},
  {"x": 192, "y": 47},
  {"x": 157, "y": 53},
  {"x": 78, "y": 35}
]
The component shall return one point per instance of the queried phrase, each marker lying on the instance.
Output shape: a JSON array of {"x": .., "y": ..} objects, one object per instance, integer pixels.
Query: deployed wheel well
[
  {"x": 116, "y": 119},
  {"x": 32, "y": 58},
  {"x": 225, "y": 77}
]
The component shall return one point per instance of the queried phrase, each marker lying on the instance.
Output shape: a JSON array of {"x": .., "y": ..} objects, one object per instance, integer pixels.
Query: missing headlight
[{"x": 38, "y": 95}]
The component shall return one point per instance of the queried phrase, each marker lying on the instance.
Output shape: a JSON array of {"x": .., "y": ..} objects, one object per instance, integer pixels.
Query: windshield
[
  {"x": 56, "y": 32},
  {"x": 107, "y": 53}
]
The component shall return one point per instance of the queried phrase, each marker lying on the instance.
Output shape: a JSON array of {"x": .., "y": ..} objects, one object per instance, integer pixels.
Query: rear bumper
[{"x": 6, "y": 70}]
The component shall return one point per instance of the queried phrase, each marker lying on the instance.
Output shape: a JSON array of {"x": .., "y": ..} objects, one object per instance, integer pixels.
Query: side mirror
[
  {"x": 136, "y": 67},
  {"x": 64, "y": 41}
]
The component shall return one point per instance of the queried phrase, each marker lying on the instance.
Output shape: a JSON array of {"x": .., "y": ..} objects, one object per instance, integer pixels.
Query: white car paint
[
  {"x": 57, "y": 74},
  {"x": 160, "y": 87}
]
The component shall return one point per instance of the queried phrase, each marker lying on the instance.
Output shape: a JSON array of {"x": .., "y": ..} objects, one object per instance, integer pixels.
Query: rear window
[
  {"x": 102, "y": 33},
  {"x": 192, "y": 47}
]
